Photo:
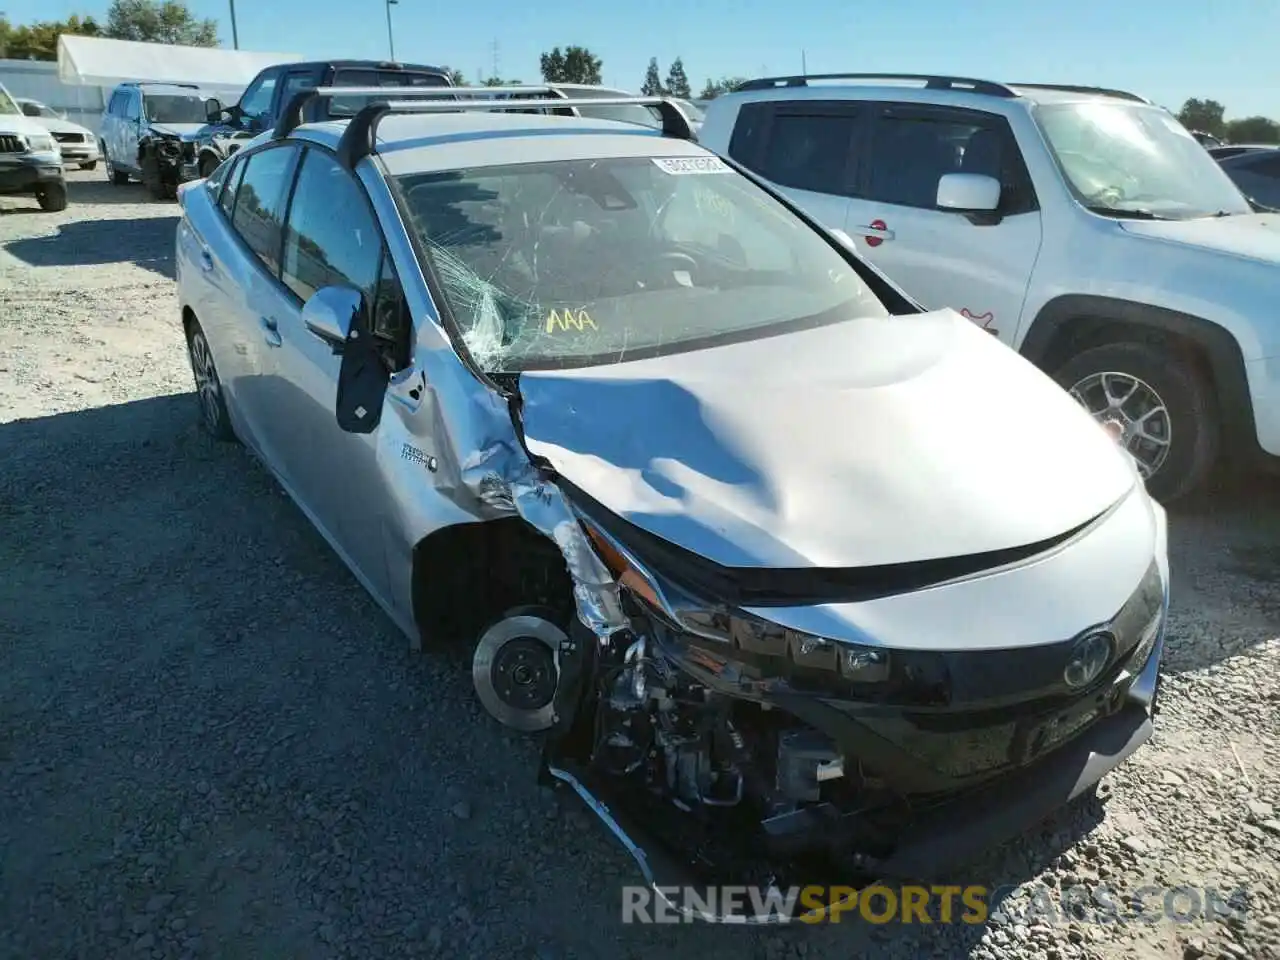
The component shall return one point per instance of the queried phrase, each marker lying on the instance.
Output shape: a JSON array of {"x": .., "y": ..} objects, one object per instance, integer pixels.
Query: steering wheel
[{"x": 670, "y": 262}]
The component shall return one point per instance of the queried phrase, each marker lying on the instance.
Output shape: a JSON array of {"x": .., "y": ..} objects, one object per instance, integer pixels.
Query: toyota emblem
[{"x": 1089, "y": 658}]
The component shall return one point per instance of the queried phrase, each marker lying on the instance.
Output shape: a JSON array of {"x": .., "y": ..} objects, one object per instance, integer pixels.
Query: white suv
[{"x": 1085, "y": 228}]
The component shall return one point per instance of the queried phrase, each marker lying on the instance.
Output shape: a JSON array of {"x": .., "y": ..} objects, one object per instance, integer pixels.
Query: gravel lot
[{"x": 213, "y": 744}]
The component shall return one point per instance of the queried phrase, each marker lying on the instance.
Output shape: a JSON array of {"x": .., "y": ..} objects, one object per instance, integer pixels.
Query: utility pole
[
  {"x": 235, "y": 35},
  {"x": 391, "y": 42},
  {"x": 804, "y": 66}
]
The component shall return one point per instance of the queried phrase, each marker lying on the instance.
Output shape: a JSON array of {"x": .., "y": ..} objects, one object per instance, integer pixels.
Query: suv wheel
[
  {"x": 52, "y": 197},
  {"x": 1162, "y": 406},
  {"x": 208, "y": 164},
  {"x": 117, "y": 177},
  {"x": 213, "y": 407}
]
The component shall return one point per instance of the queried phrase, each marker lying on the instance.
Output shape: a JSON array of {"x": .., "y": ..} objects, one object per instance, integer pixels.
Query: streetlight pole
[
  {"x": 391, "y": 42},
  {"x": 235, "y": 35}
]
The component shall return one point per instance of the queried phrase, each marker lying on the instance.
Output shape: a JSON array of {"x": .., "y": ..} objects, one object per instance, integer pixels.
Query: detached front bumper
[{"x": 23, "y": 173}]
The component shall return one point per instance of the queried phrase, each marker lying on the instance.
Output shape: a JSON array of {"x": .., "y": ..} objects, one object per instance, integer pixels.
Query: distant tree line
[
  {"x": 1209, "y": 116},
  {"x": 156, "y": 21}
]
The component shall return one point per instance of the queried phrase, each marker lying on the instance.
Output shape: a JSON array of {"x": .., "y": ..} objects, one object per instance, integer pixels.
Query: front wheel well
[
  {"x": 467, "y": 575},
  {"x": 1078, "y": 334}
]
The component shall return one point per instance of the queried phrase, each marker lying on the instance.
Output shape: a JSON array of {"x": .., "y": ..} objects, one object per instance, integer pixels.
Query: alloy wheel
[
  {"x": 208, "y": 387},
  {"x": 1138, "y": 414}
]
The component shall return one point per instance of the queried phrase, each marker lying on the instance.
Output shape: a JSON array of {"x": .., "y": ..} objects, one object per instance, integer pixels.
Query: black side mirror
[
  {"x": 339, "y": 315},
  {"x": 213, "y": 110}
]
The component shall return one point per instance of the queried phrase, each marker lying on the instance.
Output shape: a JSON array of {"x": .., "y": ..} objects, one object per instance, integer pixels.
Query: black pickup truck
[{"x": 229, "y": 128}]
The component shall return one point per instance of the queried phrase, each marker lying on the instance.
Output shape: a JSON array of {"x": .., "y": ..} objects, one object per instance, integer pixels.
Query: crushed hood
[
  {"x": 183, "y": 131},
  {"x": 1255, "y": 236},
  {"x": 874, "y": 441}
]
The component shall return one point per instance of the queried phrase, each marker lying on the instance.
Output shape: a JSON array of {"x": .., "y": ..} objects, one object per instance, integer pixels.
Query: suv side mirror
[
  {"x": 213, "y": 110},
  {"x": 968, "y": 193}
]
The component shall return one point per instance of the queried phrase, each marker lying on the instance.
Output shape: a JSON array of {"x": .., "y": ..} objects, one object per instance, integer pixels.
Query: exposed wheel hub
[{"x": 516, "y": 671}]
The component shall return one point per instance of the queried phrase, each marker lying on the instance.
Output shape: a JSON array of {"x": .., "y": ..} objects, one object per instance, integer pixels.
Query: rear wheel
[
  {"x": 208, "y": 164},
  {"x": 52, "y": 197},
  {"x": 213, "y": 407},
  {"x": 1161, "y": 406}
]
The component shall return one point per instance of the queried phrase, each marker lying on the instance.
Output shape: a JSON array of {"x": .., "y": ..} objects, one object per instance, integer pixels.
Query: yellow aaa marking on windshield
[{"x": 568, "y": 319}]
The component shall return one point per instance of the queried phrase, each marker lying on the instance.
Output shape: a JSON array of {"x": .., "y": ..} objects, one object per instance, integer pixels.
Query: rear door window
[
  {"x": 805, "y": 145},
  {"x": 227, "y": 200},
  {"x": 373, "y": 77},
  {"x": 260, "y": 201}
]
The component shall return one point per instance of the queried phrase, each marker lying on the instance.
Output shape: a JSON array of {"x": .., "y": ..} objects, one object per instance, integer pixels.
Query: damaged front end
[
  {"x": 724, "y": 749},
  {"x": 166, "y": 160}
]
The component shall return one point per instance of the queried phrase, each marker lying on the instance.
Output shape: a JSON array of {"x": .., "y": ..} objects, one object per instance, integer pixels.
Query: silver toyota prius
[{"x": 792, "y": 577}]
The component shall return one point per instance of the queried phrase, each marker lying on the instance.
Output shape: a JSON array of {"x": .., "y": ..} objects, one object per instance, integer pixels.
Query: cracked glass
[{"x": 580, "y": 262}]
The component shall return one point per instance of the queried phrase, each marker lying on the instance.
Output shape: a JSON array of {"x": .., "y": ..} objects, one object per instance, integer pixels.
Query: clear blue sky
[{"x": 1226, "y": 50}]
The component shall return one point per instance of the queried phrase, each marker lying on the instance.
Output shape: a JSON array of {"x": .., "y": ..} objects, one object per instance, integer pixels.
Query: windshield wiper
[{"x": 1126, "y": 214}]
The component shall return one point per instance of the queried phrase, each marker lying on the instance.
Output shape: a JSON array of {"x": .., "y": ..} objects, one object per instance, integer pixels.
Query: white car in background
[{"x": 78, "y": 144}]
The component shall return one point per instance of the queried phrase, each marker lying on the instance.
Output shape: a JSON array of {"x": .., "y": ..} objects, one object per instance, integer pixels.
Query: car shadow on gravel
[
  {"x": 103, "y": 192},
  {"x": 145, "y": 242}
]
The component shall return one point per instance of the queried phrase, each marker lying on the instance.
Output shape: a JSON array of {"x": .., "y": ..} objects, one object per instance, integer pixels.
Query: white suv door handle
[{"x": 874, "y": 231}]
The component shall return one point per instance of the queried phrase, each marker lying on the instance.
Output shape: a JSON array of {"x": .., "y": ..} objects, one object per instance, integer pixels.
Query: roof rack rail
[
  {"x": 1072, "y": 88},
  {"x": 294, "y": 114},
  {"x": 931, "y": 82},
  {"x": 359, "y": 140}
]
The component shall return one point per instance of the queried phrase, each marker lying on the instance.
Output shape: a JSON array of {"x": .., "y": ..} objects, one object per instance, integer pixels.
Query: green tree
[
  {"x": 39, "y": 41},
  {"x": 574, "y": 65},
  {"x": 678, "y": 80},
  {"x": 713, "y": 88},
  {"x": 652, "y": 86},
  {"x": 1203, "y": 115},
  {"x": 1253, "y": 130},
  {"x": 458, "y": 78},
  {"x": 159, "y": 21}
]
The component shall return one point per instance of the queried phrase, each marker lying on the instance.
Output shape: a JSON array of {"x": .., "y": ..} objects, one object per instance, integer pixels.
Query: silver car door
[
  {"x": 254, "y": 298},
  {"x": 331, "y": 239}
]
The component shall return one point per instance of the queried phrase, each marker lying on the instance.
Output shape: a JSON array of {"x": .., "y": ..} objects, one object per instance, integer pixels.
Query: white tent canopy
[{"x": 94, "y": 61}]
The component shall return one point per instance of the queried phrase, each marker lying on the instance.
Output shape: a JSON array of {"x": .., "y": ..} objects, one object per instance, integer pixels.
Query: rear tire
[
  {"x": 52, "y": 197},
  {"x": 1169, "y": 411},
  {"x": 213, "y": 406},
  {"x": 208, "y": 164}
]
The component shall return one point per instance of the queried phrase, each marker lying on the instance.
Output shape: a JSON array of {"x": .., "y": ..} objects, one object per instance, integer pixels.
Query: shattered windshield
[
  {"x": 578, "y": 262},
  {"x": 175, "y": 108},
  {"x": 1138, "y": 161}
]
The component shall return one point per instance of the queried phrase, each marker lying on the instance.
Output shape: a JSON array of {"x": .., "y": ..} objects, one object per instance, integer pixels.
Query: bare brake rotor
[{"x": 516, "y": 669}]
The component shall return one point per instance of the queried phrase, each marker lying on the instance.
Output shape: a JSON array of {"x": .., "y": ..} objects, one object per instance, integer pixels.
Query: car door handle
[
  {"x": 270, "y": 331},
  {"x": 875, "y": 230}
]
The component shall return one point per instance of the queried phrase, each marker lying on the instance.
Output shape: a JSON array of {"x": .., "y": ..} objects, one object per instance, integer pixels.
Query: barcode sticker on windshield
[{"x": 683, "y": 165}]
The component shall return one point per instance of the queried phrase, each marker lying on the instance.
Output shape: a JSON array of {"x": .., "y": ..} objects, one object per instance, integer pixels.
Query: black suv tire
[
  {"x": 1193, "y": 429},
  {"x": 52, "y": 197}
]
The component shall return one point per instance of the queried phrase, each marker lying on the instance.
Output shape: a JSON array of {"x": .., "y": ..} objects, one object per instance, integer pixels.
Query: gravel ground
[{"x": 212, "y": 743}]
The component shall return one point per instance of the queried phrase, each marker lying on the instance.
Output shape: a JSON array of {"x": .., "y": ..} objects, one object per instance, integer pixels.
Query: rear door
[
  {"x": 978, "y": 265},
  {"x": 805, "y": 148},
  {"x": 254, "y": 300}
]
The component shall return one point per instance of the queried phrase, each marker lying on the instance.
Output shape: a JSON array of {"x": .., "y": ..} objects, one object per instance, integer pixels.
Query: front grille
[
  {"x": 69, "y": 137},
  {"x": 11, "y": 144}
]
